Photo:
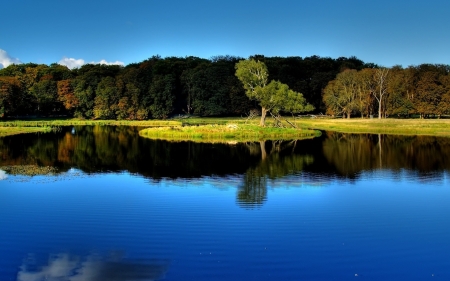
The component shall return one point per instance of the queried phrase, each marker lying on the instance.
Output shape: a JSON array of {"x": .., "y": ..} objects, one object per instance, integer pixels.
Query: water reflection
[
  {"x": 95, "y": 149},
  {"x": 351, "y": 154},
  {"x": 66, "y": 267},
  {"x": 278, "y": 159}
]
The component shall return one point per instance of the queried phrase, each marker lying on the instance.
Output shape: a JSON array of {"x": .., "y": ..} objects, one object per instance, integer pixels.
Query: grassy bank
[
  {"x": 215, "y": 128},
  {"x": 226, "y": 133},
  {"x": 8, "y": 128},
  {"x": 9, "y": 131},
  {"x": 77, "y": 122},
  {"x": 432, "y": 127}
]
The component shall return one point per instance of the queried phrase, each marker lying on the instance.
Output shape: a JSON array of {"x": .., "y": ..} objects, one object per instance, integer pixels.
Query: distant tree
[
  {"x": 44, "y": 95},
  {"x": 340, "y": 95},
  {"x": 162, "y": 96},
  {"x": 66, "y": 95},
  {"x": 106, "y": 99},
  {"x": 10, "y": 96}
]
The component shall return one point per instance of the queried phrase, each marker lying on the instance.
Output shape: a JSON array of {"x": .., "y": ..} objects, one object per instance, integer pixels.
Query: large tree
[
  {"x": 274, "y": 96},
  {"x": 341, "y": 96}
]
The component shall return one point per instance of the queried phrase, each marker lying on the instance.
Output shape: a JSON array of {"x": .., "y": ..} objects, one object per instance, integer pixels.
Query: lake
[{"x": 101, "y": 203}]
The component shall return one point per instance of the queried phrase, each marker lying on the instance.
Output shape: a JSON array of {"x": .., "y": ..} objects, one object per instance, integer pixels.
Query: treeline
[
  {"x": 422, "y": 90},
  {"x": 157, "y": 87}
]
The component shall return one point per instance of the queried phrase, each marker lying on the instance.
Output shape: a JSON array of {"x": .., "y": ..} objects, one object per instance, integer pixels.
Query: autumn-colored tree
[
  {"x": 429, "y": 91},
  {"x": 10, "y": 96},
  {"x": 66, "y": 95}
]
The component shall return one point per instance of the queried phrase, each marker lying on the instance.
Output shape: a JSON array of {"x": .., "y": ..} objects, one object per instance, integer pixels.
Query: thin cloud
[
  {"x": 3, "y": 175},
  {"x": 6, "y": 60},
  {"x": 72, "y": 63}
]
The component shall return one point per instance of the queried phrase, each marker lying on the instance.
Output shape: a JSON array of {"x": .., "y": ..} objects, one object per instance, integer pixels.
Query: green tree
[
  {"x": 162, "y": 96},
  {"x": 274, "y": 96},
  {"x": 106, "y": 99},
  {"x": 341, "y": 95},
  {"x": 44, "y": 96}
]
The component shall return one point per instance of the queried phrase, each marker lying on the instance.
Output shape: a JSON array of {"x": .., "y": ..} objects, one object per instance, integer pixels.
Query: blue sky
[{"x": 383, "y": 32}]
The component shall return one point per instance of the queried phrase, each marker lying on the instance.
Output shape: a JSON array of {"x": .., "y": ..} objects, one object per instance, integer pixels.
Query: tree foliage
[
  {"x": 273, "y": 97},
  {"x": 212, "y": 87}
]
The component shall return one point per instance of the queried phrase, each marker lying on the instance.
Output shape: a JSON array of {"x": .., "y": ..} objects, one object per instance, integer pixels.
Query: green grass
[
  {"x": 29, "y": 170},
  {"x": 9, "y": 131},
  {"x": 8, "y": 128},
  {"x": 77, "y": 122},
  {"x": 432, "y": 127},
  {"x": 247, "y": 130},
  {"x": 226, "y": 133}
]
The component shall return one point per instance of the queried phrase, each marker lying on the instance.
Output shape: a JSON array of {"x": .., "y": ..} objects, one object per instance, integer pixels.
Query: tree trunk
[
  {"x": 380, "y": 111},
  {"x": 262, "y": 144},
  {"x": 262, "y": 123},
  {"x": 348, "y": 114}
]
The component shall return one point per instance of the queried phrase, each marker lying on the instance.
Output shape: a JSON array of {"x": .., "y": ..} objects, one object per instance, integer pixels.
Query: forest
[{"x": 161, "y": 88}]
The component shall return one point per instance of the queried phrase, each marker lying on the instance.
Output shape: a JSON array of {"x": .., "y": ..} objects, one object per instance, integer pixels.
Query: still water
[{"x": 101, "y": 203}]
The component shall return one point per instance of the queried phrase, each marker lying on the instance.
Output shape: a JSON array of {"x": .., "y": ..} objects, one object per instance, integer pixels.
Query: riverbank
[
  {"x": 431, "y": 127},
  {"x": 8, "y": 128},
  {"x": 9, "y": 131}
]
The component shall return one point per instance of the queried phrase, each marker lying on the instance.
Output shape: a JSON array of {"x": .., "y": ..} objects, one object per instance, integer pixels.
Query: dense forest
[
  {"x": 165, "y": 87},
  {"x": 157, "y": 87}
]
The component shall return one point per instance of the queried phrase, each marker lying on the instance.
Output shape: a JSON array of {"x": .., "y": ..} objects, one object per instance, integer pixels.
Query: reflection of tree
[
  {"x": 253, "y": 191},
  {"x": 65, "y": 267},
  {"x": 280, "y": 161},
  {"x": 351, "y": 154}
]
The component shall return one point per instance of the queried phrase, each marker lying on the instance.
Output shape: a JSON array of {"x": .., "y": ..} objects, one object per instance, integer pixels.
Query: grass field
[{"x": 432, "y": 127}]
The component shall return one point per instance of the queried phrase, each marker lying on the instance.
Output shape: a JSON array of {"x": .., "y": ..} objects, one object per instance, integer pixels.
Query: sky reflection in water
[
  {"x": 330, "y": 208},
  {"x": 66, "y": 267}
]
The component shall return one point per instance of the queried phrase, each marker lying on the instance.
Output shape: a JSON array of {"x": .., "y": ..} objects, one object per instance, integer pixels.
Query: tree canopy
[{"x": 273, "y": 97}]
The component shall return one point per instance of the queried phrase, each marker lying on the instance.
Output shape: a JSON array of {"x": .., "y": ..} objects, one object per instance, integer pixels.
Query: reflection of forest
[
  {"x": 108, "y": 148},
  {"x": 334, "y": 155},
  {"x": 351, "y": 154}
]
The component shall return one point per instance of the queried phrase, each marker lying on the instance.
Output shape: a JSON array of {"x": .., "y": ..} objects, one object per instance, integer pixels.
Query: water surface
[{"x": 338, "y": 207}]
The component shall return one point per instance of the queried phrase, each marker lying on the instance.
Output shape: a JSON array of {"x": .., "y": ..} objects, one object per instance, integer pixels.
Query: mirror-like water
[{"x": 101, "y": 203}]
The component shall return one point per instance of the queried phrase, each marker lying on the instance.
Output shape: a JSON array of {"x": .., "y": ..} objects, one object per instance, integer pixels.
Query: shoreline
[{"x": 217, "y": 129}]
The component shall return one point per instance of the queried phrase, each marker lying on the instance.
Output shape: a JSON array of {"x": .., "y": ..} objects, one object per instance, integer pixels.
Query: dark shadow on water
[{"x": 95, "y": 149}]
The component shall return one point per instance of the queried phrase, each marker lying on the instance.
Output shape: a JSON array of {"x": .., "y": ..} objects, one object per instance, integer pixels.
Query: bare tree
[{"x": 380, "y": 93}]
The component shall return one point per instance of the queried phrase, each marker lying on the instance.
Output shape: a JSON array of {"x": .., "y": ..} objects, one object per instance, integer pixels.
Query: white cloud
[
  {"x": 6, "y": 59},
  {"x": 108, "y": 63},
  {"x": 71, "y": 63},
  {"x": 75, "y": 63},
  {"x": 3, "y": 175}
]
